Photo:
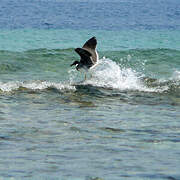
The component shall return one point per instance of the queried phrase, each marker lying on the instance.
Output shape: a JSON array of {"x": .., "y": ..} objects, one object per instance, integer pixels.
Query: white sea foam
[
  {"x": 9, "y": 86},
  {"x": 176, "y": 75},
  {"x": 109, "y": 74},
  {"x": 34, "y": 85}
]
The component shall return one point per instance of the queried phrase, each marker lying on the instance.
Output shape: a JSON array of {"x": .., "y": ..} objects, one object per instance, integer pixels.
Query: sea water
[{"x": 122, "y": 122}]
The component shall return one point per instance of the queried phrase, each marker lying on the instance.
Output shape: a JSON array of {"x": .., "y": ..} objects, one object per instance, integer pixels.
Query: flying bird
[{"x": 88, "y": 54}]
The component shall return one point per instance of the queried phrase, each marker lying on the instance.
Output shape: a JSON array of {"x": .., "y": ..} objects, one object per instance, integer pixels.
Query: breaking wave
[
  {"x": 107, "y": 75},
  {"x": 154, "y": 71},
  {"x": 34, "y": 85}
]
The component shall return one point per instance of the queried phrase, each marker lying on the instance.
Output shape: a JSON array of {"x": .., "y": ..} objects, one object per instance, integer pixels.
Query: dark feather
[
  {"x": 85, "y": 57},
  {"x": 88, "y": 54},
  {"x": 90, "y": 44},
  {"x": 83, "y": 53}
]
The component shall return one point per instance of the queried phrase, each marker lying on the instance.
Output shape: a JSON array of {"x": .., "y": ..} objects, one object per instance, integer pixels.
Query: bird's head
[{"x": 75, "y": 63}]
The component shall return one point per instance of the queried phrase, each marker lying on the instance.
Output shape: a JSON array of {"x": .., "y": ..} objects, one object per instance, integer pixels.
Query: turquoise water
[
  {"x": 27, "y": 39},
  {"x": 122, "y": 122}
]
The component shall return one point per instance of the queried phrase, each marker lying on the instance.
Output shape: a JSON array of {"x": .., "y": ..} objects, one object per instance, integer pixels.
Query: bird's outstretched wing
[
  {"x": 83, "y": 53},
  {"x": 85, "y": 56},
  {"x": 90, "y": 44},
  {"x": 88, "y": 53}
]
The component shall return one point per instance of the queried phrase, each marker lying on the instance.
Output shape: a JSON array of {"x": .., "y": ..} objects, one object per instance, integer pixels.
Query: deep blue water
[{"x": 96, "y": 14}]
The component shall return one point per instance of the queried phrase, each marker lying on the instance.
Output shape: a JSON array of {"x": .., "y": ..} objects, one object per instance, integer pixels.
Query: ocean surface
[{"x": 122, "y": 122}]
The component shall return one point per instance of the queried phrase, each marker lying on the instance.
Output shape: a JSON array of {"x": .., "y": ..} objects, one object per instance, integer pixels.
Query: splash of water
[
  {"x": 109, "y": 74},
  {"x": 176, "y": 75},
  {"x": 106, "y": 74}
]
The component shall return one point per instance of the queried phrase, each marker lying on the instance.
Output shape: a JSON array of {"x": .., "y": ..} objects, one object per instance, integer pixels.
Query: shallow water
[{"x": 120, "y": 123}]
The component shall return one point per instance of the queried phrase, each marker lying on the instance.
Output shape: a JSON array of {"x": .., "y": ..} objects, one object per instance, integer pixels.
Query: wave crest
[
  {"x": 34, "y": 85},
  {"x": 108, "y": 75}
]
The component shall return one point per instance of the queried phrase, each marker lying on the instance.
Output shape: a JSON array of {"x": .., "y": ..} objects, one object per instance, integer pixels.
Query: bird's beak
[{"x": 74, "y": 63}]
